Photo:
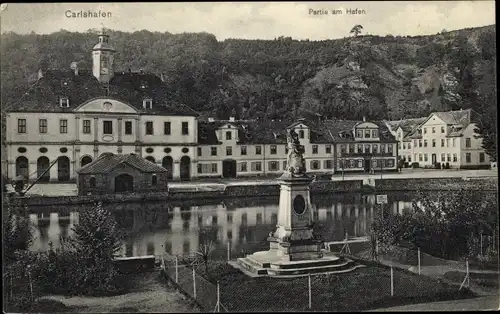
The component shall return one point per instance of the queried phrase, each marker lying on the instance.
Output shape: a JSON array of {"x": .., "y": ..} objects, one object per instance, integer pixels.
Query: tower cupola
[{"x": 103, "y": 58}]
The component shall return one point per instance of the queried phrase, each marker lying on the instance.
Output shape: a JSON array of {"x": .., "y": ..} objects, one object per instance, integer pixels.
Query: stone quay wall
[{"x": 434, "y": 184}]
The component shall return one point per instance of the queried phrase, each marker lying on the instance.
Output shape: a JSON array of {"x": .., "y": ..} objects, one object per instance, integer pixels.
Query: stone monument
[{"x": 294, "y": 249}]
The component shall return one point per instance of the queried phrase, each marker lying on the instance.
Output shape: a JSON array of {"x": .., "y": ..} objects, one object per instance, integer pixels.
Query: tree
[
  {"x": 207, "y": 245},
  {"x": 356, "y": 30},
  {"x": 91, "y": 251},
  {"x": 486, "y": 130},
  {"x": 17, "y": 232}
]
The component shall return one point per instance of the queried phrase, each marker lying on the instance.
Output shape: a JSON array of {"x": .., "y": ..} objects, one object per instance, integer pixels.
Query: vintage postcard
[{"x": 249, "y": 156}]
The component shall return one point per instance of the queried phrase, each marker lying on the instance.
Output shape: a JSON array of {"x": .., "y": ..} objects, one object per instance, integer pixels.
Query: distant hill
[{"x": 377, "y": 77}]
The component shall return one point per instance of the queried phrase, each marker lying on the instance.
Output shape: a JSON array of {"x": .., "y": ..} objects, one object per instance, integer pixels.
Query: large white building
[
  {"x": 442, "y": 137},
  {"x": 71, "y": 117}
]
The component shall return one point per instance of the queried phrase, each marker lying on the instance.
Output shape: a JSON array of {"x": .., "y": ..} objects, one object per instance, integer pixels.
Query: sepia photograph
[{"x": 227, "y": 157}]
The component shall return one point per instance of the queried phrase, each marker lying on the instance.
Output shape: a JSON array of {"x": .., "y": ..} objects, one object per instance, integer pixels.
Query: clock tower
[{"x": 102, "y": 59}]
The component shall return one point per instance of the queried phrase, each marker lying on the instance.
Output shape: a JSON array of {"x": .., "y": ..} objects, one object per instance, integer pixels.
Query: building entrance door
[{"x": 367, "y": 165}]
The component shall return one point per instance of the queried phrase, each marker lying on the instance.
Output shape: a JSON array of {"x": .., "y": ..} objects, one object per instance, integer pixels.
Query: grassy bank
[
  {"x": 150, "y": 292},
  {"x": 363, "y": 289}
]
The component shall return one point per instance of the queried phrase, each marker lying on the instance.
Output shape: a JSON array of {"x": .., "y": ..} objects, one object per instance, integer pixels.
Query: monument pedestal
[{"x": 294, "y": 250}]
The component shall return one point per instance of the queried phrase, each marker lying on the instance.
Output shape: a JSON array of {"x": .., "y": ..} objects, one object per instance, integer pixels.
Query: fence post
[
  {"x": 468, "y": 277},
  {"x": 310, "y": 298},
  {"x": 11, "y": 287},
  {"x": 481, "y": 249},
  {"x": 392, "y": 281},
  {"x": 228, "y": 250},
  {"x": 419, "y": 261},
  {"x": 176, "y": 270},
  {"x": 31, "y": 285},
  {"x": 218, "y": 298},
  {"x": 194, "y": 283}
]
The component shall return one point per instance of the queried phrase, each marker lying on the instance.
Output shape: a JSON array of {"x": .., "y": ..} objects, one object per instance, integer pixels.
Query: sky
[{"x": 253, "y": 20}]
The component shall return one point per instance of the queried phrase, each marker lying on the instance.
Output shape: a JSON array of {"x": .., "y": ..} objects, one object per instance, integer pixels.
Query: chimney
[
  {"x": 40, "y": 73},
  {"x": 211, "y": 119},
  {"x": 231, "y": 119}
]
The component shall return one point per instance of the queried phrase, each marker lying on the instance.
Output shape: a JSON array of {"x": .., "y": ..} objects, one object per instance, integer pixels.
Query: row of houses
[{"x": 69, "y": 118}]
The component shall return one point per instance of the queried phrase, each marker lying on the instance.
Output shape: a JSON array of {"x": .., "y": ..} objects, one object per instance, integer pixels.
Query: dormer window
[
  {"x": 64, "y": 102},
  {"x": 147, "y": 103}
]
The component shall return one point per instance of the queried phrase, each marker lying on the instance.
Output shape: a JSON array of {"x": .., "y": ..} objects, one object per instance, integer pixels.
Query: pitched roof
[
  {"x": 108, "y": 161},
  {"x": 128, "y": 87},
  {"x": 461, "y": 117},
  {"x": 407, "y": 125},
  {"x": 337, "y": 127}
]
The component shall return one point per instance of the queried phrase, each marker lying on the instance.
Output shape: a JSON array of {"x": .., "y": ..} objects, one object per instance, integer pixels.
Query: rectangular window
[
  {"x": 443, "y": 157},
  {"x": 404, "y": 145},
  {"x": 63, "y": 126},
  {"x": 185, "y": 128},
  {"x": 328, "y": 149},
  {"x": 228, "y": 135},
  {"x": 328, "y": 164},
  {"x": 243, "y": 167},
  {"x": 453, "y": 142},
  {"x": 315, "y": 149},
  {"x": 467, "y": 157},
  {"x": 409, "y": 158},
  {"x": 86, "y": 126},
  {"x": 467, "y": 142},
  {"x": 409, "y": 145},
  {"x": 374, "y": 149},
  {"x": 447, "y": 142},
  {"x": 420, "y": 157},
  {"x": 442, "y": 142},
  {"x": 374, "y": 133},
  {"x": 481, "y": 157},
  {"x": 425, "y": 130},
  {"x": 149, "y": 128},
  {"x": 64, "y": 102},
  {"x": 351, "y": 148},
  {"x": 367, "y": 133},
  {"x": 42, "y": 125},
  {"x": 107, "y": 127},
  {"x": 256, "y": 166},
  {"x": 433, "y": 130},
  {"x": 342, "y": 148},
  {"x": 167, "y": 128},
  {"x": 301, "y": 133},
  {"x": 359, "y": 134},
  {"x": 433, "y": 143},
  {"x": 214, "y": 168},
  {"x": 415, "y": 142},
  {"x": 353, "y": 163},
  {"x": 243, "y": 150},
  {"x": 314, "y": 164},
  {"x": 442, "y": 129},
  {"x": 448, "y": 157},
  {"x": 273, "y": 149},
  {"x": 258, "y": 150},
  {"x": 455, "y": 159},
  {"x": 367, "y": 148},
  {"x": 199, "y": 151},
  {"x": 128, "y": 127},
  {"x": 273, "y": 166},
  {"x": 425, "y": 143},
  {"x": 426, "y": 158},
  {"x": 389, "y": 148},
  {"x": 284, "y": 165},
  {"x": 360, "y": 163},
  {"x": 419, "y": 143},
  {"x": 229, "y": 150},
  {"x": 360, "y": 149},
  {"x": 382, "y": 148},
  {"x": 213, "y": 151},
  {"x": 200, "y": 170}
]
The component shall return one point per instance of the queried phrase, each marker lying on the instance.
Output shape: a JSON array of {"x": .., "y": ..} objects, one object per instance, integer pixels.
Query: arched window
[
  {"x": 154, "y": 180},
  {"x": 150, "y": 158},
  {"x": 92, "y": 182}
]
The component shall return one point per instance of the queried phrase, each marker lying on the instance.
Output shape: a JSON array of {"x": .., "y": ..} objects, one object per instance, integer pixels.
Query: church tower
[{"x": 102, "y": 59}]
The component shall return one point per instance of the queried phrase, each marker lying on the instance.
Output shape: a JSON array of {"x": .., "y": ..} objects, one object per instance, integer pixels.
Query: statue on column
[{"x": 295, "y": 159}]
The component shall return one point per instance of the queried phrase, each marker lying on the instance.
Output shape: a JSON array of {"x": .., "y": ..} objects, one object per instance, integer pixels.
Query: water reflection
[{"x": 156, "y": 228}]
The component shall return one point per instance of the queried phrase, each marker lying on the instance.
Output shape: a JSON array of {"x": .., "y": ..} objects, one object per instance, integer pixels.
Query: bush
[
  {"x": 415, "y": 165},
  {"x": 437, "y": 165}
]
